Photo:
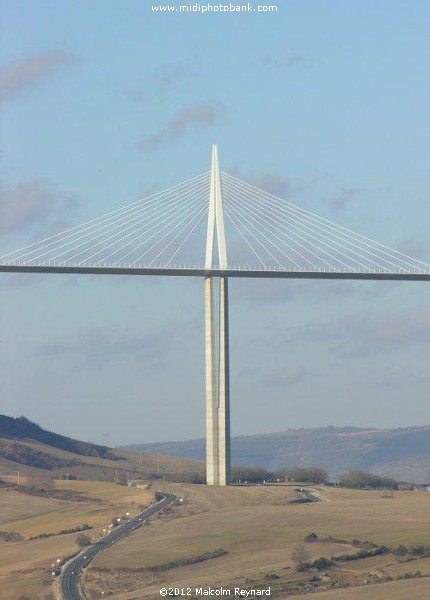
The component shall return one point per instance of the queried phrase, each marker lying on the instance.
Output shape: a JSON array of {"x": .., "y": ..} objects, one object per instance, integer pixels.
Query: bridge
[{"x": 183, "y": 231}]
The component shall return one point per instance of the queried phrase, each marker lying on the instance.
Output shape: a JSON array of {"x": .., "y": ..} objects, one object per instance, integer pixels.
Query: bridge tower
[{"x": 218, "y": 470}]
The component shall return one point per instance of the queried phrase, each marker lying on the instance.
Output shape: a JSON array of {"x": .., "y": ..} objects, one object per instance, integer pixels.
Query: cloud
[
  {"x": 416, "y": 248},
  {"x": 274, "y": 183},
  {"x": 339, "y": 201},
  {"x": 369, "y": 334},
  {"x": 22, "y": 75},
  {"x": 168, "y": 76},
  {"x": 278, "y": 184},
  {"x": 31, "y": 203},
  {"x": 20, "y": 280},
  {"x": 278, "y": 376},
  {"x": 196, "y": 117},
  {"x": 270, "y": 291},
  {"x": 282, "y": 291},
  {"x": 285, "y": 62},
  {"x": 412, "y": 327},
  {"x": 287, "y": 375},
  {"x": 160, "y": 84},
  {"x": 98, "y": 349}
]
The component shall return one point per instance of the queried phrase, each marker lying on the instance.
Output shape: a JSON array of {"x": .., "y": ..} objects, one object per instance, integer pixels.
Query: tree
[
  {"x": 308, "y": 475},
  {"x": 362, "y": 480},
  {"x": 252, "y": 475},
  {"x": 300, "y": 555},
  {"x": 83, "y": 539},
  {"x": 40, "y": 483}
]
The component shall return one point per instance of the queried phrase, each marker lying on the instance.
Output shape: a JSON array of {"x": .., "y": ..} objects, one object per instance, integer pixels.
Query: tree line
[{"x": 314, "y": 475}]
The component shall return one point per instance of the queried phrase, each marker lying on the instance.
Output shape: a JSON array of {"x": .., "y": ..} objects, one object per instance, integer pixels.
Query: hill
[
  {"x": 402, "y": 453},
  {"x": 34, "y": 451},
  {"x": 23, "y": 428}
]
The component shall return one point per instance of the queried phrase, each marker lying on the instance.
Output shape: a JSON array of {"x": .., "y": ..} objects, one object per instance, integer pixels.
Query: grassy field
[
  {"x": 259, "y": 529},
  {"x": 414, "y": 589},
  {"x": 25, "y": 565}
]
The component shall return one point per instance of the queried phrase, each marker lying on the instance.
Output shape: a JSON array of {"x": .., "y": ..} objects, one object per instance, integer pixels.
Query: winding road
[{"x": 69, "y": 579}]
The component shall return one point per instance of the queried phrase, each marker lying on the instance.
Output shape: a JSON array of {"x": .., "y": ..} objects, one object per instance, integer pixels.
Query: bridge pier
[{"x": 218, "y": 461}]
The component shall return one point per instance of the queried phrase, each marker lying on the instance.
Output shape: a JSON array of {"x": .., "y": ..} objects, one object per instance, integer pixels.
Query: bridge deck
[{"x": 214, "y": 272}]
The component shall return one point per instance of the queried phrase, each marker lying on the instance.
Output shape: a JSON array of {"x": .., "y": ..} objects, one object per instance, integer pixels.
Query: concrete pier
[
  {"x": 224, "y": 466},
  {"x": 212, "y": 472},
  {"x": 218, "y": 463}
]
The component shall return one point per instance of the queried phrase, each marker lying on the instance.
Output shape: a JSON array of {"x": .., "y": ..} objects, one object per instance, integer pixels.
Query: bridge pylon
[{"x": 218, "y": 461}]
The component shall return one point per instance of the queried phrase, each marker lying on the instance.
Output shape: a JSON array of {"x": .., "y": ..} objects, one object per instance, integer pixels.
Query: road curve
[{"x": 69, "y": 579}]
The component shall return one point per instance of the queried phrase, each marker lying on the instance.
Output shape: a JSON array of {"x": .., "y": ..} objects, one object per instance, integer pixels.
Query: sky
[{"x": 323, "y": 102}]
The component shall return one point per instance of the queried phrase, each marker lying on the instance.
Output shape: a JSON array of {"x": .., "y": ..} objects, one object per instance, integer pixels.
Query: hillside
[
  {"x": 401, "y": 453},
  {"x": 23, "y": 428},
  {"x": 34, "y": 451}
]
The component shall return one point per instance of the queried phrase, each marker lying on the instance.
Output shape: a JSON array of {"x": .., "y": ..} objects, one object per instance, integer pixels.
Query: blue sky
[{"x": 324, "y": 102}]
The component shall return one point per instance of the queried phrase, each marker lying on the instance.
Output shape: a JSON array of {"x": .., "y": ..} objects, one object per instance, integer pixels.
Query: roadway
[
  {"x": 69, "y": 578},
  {"x": 400, "y": 275},
  {"x": 305, "y": 497}
]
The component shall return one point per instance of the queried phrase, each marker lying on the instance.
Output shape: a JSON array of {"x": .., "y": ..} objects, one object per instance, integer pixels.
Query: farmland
[
  {"x": 235, "y": 536},
  {"x": 25, "y": 565},
  {"x": 257, "y": 529}
]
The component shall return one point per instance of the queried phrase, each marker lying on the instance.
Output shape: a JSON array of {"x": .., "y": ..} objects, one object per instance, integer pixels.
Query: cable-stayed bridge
[
  {"x": 165, "y": 234},
  {"x": 175, "y": 233}
]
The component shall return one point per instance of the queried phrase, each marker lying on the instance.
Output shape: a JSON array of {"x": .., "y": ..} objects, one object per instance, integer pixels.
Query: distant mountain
[{"x": 400, "y": 453}]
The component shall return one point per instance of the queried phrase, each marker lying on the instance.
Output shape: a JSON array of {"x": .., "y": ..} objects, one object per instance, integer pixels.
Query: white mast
[{"x": 217, "y": 372}]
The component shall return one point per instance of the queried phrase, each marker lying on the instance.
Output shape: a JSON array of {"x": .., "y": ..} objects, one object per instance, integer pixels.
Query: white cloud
[{"x": 22, "y": 75}]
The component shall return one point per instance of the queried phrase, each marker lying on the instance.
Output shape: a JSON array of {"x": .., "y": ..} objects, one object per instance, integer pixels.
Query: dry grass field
[
  {"x": 25, "y": 565},
  {"x": 412, "y": 589},
  {"x": 258, "y": 529}
]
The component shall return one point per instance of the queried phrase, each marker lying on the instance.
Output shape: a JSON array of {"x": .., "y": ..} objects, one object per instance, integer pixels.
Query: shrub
[
  {"x": 362, "y": 554},
  {"x": 83, "y": 539},
  {"x": 300, "y": 555},
  {"x": 321, "y": 563}
]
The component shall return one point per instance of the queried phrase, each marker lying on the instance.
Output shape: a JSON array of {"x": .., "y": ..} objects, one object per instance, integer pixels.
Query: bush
[
  {"x": 362, "y": 554},
  {"x": 322, "y": 563},
  {"x": 11, "y": 536},
  {"x": 300, "y": 555},
  {"x": 400, "y": 550},
  {"x": 83, "y": 539},
  {"x": 62, "y": 532}
]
